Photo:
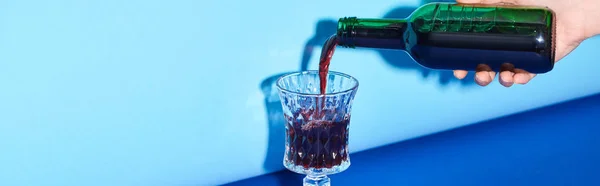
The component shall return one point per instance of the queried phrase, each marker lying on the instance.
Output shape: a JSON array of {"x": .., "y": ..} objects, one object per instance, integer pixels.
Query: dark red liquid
[
  {"x": 317, "y": 144},
  {"x": 326, "y": 54}
]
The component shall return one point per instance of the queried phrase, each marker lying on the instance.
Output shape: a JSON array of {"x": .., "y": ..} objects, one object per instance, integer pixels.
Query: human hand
[{"x": 576, "y": 20}]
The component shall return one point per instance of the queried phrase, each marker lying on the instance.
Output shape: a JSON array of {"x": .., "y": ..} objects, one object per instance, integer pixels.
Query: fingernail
[
  {"x": 456, "y": 75},
  {"x": 505, "y": 83},
  {"x": 520, "y": 79},
  {"x": 479, "y": 81},
  {"x": 507, "y": 75}
]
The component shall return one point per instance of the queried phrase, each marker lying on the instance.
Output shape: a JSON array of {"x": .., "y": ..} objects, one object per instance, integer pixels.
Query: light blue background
[{"x": 128, "y": 93}]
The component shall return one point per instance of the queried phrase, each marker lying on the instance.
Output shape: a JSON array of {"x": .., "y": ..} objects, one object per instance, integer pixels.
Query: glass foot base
[{"x": 322, "y": 180}]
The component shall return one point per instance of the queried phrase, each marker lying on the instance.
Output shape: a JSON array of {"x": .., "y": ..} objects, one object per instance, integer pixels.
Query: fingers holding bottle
[{"x": 508, "y": 75}]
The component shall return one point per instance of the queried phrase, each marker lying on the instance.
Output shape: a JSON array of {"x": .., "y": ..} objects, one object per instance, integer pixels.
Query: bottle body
[{"x": 462, "y": 37}]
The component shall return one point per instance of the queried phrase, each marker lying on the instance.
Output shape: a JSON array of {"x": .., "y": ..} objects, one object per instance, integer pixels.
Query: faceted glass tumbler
[{"x": 316, "y": 142}]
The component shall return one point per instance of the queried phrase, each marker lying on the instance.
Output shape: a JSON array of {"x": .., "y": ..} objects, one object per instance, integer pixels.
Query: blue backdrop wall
[{"x": 128, "y": 93}]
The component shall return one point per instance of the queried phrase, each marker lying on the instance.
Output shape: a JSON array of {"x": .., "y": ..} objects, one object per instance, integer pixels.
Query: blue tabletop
[{"x": 555, "y": 145}]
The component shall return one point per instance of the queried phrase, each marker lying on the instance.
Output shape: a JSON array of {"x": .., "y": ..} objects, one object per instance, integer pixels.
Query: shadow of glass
[{"x": 276, "y": 143}]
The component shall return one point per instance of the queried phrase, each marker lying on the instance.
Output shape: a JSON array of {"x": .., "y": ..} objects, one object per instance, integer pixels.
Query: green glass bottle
[{"x": 454, "y": 36}]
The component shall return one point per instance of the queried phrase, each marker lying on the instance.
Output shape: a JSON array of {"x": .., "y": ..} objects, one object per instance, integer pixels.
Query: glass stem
[{"x": 316, "y": 180}]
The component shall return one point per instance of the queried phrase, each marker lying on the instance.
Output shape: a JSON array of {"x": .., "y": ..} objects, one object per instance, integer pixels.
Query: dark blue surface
[{"x": 555, "y": 145}]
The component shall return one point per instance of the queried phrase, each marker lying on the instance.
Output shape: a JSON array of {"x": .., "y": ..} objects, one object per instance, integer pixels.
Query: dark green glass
[{"x": 454, "y": 36}]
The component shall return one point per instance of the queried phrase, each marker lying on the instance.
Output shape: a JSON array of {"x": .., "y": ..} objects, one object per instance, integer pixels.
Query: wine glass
[{"x": 316, "y": 142}]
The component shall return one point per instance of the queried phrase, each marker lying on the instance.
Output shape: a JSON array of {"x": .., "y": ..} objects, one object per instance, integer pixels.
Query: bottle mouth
[{"x": 345, "y": 31}]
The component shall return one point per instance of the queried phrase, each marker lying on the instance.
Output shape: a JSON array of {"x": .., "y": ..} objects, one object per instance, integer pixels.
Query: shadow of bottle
[
  {"x": 395, "y": 58},
  {"x": 324, "y": 29}
]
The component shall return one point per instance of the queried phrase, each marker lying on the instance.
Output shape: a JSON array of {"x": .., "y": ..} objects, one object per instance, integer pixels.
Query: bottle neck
[{"x": 372, "y": 33}]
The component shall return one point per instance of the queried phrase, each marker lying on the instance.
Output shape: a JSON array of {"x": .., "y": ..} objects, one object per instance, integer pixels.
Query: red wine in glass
[{"x": 317, "y": 143}]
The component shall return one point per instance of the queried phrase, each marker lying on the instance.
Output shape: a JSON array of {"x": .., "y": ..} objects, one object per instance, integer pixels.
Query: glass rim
[{"x": 343, "y": 91}]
